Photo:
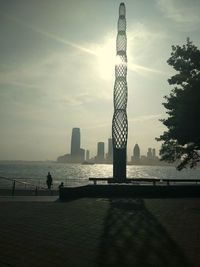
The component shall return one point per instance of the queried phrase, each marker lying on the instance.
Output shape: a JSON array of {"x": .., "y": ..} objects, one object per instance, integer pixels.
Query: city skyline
[
  {"x": 76, "y": 154},
  {"x": 57, "y": 71}
]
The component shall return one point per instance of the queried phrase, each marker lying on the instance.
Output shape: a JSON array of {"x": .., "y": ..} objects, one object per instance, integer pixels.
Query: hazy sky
[{"x": 57, "y": 71}]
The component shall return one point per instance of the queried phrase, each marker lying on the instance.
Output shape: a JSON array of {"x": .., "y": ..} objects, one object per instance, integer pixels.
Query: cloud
[
  {"x": 50, "y": 35},
  {"x": 142, "y": 48},
  {"x": 142, "y": 31},
  {"x": 140, "y": 119},
  {"x": 102, "y": 51},
  {"x": 99, "y": 125},
  {"x": 145, "y": 118},
  {"x": 19, "y": 84},
  {"x": 184, "y": 13},
  {"x": 77, "y": 100},
  {"x": 142, "y": 70}
]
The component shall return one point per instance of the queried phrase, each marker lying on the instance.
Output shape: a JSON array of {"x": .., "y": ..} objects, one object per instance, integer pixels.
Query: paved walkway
[
  {"x": 28, "y": 198},
  {"x": 100, "y": 232},
  {"x": 28, "y": 192}
]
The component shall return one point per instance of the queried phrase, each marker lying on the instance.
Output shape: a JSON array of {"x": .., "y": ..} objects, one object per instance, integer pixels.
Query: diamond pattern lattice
[{"x": 120, "y": 122}]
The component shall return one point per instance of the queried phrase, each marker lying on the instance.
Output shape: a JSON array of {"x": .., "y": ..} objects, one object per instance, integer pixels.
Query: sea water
[{"x": 77, "y": 174}]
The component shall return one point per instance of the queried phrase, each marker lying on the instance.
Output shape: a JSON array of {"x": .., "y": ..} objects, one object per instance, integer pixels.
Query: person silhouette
[
  {"x": 61, "y": 185},
  {"x": 49, "y": 180}
]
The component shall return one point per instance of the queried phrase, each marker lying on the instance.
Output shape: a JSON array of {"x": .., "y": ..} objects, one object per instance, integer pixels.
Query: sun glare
[
  {"x": 106, "y": 59},
  {"x": 119, "y": 61}
]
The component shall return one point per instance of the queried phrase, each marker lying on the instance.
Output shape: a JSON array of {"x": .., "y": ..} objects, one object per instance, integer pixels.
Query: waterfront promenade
[{"x": 41, "y": 231}]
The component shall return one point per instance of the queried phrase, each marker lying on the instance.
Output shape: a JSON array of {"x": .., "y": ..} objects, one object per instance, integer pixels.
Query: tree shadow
[{"x": 133, "y": 237}]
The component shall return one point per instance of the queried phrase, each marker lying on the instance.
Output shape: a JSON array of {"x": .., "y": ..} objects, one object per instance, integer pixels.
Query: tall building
[
  {"x": 87, "y": 155},
  {"x": 109, "y": 157},
  {"x": 100, "y": 152},
  {"x": 120, "y": 121},
  {"x": 154, "y": 153},
  {"x": 77, "y": 153},
  {"x": 149, "y": 153},
  {"x": 75, "y": 142},
  {"x": 82, "y": 155},
  {"x": 136, "y": 153}
]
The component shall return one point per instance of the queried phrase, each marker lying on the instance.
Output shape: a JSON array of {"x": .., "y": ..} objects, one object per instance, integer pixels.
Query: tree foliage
[{"x": 181, "y": 141}]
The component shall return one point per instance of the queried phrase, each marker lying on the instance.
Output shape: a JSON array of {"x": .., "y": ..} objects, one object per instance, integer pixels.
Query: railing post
[
  {"x": 36, "y": 191},
  {"x": 13, "y": 188}
]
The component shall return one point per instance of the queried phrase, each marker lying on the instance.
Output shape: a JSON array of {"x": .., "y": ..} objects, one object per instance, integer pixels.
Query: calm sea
[{"x": 77, "y": 174}]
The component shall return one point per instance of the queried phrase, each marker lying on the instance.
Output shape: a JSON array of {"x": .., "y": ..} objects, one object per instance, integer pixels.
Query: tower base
[{"x": 119, "y": 165}]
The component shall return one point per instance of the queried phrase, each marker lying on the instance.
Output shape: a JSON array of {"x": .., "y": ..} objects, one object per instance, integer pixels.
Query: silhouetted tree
[{"x": 182, "y": 138}]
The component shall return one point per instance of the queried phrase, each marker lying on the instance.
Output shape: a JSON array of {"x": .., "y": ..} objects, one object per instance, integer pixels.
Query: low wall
[{"x": 147, "y": 191}]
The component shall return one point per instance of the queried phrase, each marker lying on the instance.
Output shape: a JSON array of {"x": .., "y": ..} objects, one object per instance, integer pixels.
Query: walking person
[{"x": 49, "y": 180}]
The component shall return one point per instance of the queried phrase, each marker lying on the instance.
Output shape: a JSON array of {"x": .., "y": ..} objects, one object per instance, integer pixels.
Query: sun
[{"x": 106, "y": 59}]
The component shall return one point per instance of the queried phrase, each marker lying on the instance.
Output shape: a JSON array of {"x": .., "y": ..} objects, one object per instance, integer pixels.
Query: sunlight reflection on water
[{"x": 77, "y": 174}]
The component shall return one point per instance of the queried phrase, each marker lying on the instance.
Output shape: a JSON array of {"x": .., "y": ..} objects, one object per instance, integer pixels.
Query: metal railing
[
  {"x": 25, "y": 184},
  {"x": 148, "y": 180},
  {"x": 39, "y": 187}
]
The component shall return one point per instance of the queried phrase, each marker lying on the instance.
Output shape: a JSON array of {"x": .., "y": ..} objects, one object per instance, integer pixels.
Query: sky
[{"x": 57, "y": 71}]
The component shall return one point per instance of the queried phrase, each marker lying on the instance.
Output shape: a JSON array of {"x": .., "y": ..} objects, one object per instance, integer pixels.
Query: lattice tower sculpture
[{"x": 120, "y": 122}]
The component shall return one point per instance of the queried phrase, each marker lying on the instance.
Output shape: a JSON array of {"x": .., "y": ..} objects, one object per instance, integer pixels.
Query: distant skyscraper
[
  {"x": 136, "y": 153},
  {"x": 75, "y": 141},
  {"x": 100, "y": 152},
  {"x": 154, "y": 153},
  {"x": 110, "y": 151},
  {"x": 87, "y": 155},
  {"x": 149, "y": 153},
  {"x": 77, "y": 154},
  {"x": 82, "y": 155}
]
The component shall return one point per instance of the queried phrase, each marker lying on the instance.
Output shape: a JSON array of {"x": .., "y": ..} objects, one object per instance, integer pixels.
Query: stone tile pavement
[
  {"x": 28, "y": 198},
  {"x": 100, "y": 232}
]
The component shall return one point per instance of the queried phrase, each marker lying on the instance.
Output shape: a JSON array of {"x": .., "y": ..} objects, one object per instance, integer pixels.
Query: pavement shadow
[
  {"x": 133, "y": 237},
  {"x": 67, "y": 200}
]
